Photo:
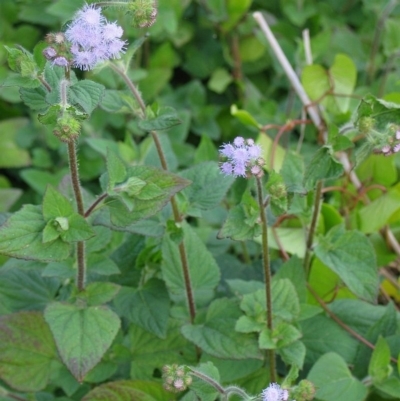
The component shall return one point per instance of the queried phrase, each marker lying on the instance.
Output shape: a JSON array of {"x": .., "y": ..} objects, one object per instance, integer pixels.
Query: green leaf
[
  {"x": 115, "y": 168},
  {"x": 201, "y": 388},
  {"x": 166, "y": 185},
  {"x": 51, "y": 115},
  {"x": 390, "y": 386},
  {"x": 321, "y": 335},
  {"x": 217, "y": 336},
  {"x": 294, "y": 354},
  {"x": 206, "y": 151},
  {"x": 203, "y": 270},
  {"x": 149, "y": 352},
  {"x": 167, "y": 117},
  {"x": 82, "y": 335},
  {"x": 128, "y": 390},
  {"x": 22, "y": 82},
  {"x": 379, "y": 366},
  {"x": 27, "y": 350},
  {"x": 209, "y": 187},
  {"x": 285, "y": 303},
  {"x": 26, "y": 289},
  {"x": 235, "y": 9},
  {"x": 322, "y": 85},
  {"x": 242, "y": 222},
  {"x": 350, "y": 255},
  {"x": 64, "y": 222},
  {"x": 21, "y": 237},
  {"x": 86, "y": 94},
  {"x": 220, "y": 80},
  {"x": 35, "y": 98},
  {"x": 375, "y": 215},
  {"x": 12, "y": 155},
  {"x": 278, "y": 193},
  {"x": 244, "y": 116},
  {"x": 8, "y": 196},
  {"x": 334, "y": 381},
  {"x": 55, "y": 204},
  {"x": 323, "y": 166},
  {"x": 148, "y": 307},
  {"x": 98, "y": 293}
]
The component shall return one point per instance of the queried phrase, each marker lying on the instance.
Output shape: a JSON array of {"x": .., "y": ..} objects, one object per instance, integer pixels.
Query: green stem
[
  {"x": 110, "y": 3},
  {"x": 80, "y": 248},
  {"x": 311, "y": 232},
  {"x": 175, "y": 209},
  {"x": 267, "y": 275}
]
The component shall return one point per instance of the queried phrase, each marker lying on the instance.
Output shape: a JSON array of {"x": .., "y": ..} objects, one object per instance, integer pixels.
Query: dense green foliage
[{"x": 157, "y": 258}]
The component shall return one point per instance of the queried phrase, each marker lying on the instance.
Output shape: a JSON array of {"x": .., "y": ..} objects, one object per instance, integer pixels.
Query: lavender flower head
[
  {"x": 93, "y": 39},
  {"x": 241, "y": 158},
  {"x": 274, "y": 392}
]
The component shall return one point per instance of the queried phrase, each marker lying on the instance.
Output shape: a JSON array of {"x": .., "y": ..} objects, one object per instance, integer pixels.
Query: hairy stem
[
  {"x": 80, "y": 247},
  {"x": 311, "y": 232},
  {"x": 175, "y": 210},
  {"x": 267, "y": 274}
]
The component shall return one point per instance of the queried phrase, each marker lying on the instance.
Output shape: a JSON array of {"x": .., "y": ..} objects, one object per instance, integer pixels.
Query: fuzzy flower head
[
  {"x": 274, "y": 392},
  {"x": 93, "y": 39},
  {"x": 176, "y": 378},
  {"x": 242, "y": 158}
]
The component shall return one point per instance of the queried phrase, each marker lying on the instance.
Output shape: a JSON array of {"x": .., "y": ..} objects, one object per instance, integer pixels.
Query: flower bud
[
  {"x": 144, "y": 13},
  {"x": 365, "y": 124},
  {"x": 67, "y": 128},
  {"x": 176, "y": 378}
]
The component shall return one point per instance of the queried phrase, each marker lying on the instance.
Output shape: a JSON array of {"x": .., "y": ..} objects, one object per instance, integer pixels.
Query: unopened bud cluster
[
  {"x": 144, "y": 13},
  {"x": 304, "y": 391},
  {"x": 242, "y": 158},
  {"x": 176, "y": 378},
  {"x": 67, "y": 128}
]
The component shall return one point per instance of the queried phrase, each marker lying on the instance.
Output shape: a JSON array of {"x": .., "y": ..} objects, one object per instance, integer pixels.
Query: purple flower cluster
[
  {"x": 93, "y": 39},
  {"x": 394, "y": 146},
  {"x": 242, "y": 157},
  {"x": 274, "y": 392}
]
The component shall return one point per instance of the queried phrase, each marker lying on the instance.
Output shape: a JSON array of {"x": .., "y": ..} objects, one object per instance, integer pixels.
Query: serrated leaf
[
  {"x": 323, "y": 166},
  {"x": 98, "y": 293},
  {"x": 203, "y": 269},
  {"x": 51, "y": 115},
  {"x": 23, "y": 82},
  {"x": 27, "y": 350},
  {"x": 210, "y": 186},
  {"x": 26, "y": 289},
  {"x": 148, "y": 306},
  {"x": 21, "y": 237},
  {"x": 166, "y": 118},
  {"x": 55, "y": 204},
  {"x": 115, "y": 168},
  {"x": 140, "y": 209},
  {"x": 86, "y": 94},
  {"x": 82, "y": 335},
  {"x": 35, "y": 98},
  {"x": 217, "y": 335},
  {"x": 128, "y": 390},
  {"x": 293, "y": 354},
  {"x": 350, "y": 255},
  {"x": 334, "y": 381}
]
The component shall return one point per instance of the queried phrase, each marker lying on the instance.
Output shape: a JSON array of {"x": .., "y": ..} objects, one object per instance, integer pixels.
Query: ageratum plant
[{"x": 198, "y": 201}]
